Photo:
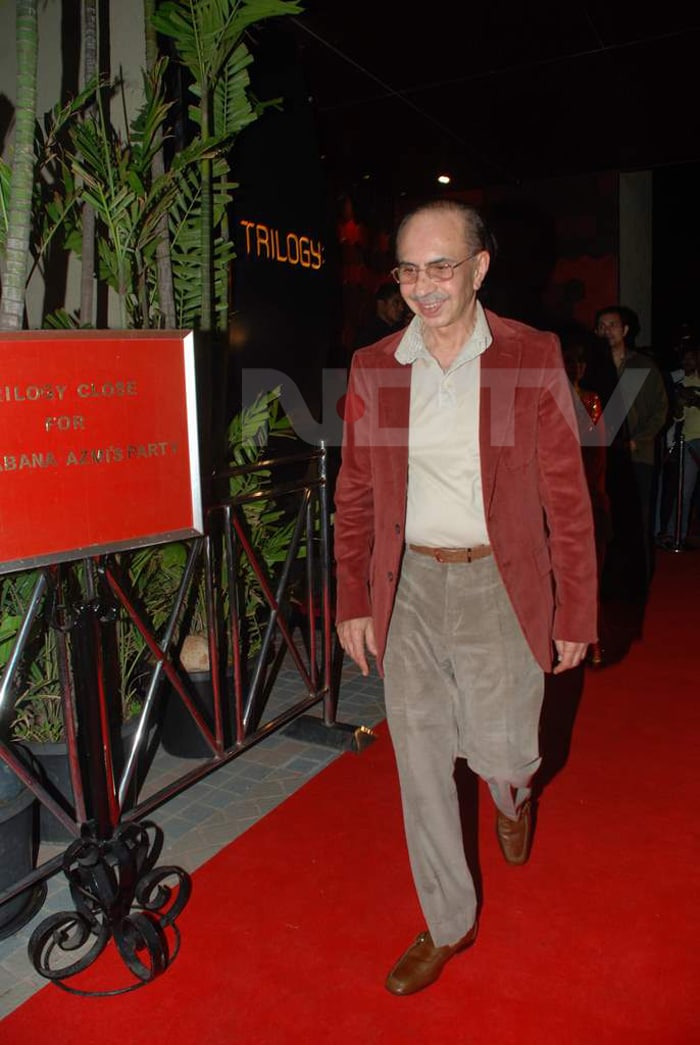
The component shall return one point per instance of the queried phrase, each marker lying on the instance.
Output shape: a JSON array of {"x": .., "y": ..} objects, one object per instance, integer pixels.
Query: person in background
[
  {"x": 465, "y": 557},
  {"x": 666, "y": 487},
  {"x": 389, "y": 315},
  {"x": 686, "y": 416},
  {"x": 633, "y": 457}
]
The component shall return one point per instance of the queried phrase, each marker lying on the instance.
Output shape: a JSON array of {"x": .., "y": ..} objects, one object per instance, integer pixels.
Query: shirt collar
[{"x": 412, "y": 346}]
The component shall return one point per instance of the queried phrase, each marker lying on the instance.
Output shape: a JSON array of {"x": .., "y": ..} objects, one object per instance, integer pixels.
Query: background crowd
[{"x": 639, "y": 419}]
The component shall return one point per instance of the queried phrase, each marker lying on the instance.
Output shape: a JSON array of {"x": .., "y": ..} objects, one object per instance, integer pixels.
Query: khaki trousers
[{"x": 459, "y": 681}]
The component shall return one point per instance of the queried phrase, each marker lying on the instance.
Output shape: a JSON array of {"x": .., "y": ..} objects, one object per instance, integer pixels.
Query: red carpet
[{"x": 291, "y": 930}]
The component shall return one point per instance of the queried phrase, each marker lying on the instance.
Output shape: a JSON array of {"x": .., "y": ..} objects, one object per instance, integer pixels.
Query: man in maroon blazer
[{"x": 465, "y": 556}]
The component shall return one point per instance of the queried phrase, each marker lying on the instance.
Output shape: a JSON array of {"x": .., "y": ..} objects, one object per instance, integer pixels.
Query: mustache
[{"x": 432, "y": 298}]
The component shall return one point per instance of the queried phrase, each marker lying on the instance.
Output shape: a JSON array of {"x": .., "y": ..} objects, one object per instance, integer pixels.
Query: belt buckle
[{"x": 446, "y": 558}]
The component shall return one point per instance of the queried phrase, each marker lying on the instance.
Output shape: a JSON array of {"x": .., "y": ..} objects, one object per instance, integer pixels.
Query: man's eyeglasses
[{"x": 437, "y": 271}]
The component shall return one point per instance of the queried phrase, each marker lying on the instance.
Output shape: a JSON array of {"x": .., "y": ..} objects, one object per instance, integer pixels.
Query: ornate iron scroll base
[{"x": 120, "y": 895}]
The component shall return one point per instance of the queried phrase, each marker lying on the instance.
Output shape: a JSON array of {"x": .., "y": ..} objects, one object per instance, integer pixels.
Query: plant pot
[
  {"x": 50, "y": 763},
  {"x": 17, "y": 852},
  {"x": 179, "y": 734}
]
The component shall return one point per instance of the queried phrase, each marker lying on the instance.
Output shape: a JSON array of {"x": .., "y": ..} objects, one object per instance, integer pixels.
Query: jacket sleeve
[
  {"x": 353, "y": 524},
  {"x": 567, "y": 505},
  {"x": 650, "y": 411}
]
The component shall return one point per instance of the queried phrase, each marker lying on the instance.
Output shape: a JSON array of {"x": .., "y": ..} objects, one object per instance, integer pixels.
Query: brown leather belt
[{"x": 453, "y": 554}]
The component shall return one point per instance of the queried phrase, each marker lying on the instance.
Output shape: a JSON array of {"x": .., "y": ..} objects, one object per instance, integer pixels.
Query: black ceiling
[{"x": 499, "y": 92}]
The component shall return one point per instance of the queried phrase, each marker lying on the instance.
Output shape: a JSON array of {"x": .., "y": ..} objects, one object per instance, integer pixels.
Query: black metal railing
[{"x": 293, "y": 615}]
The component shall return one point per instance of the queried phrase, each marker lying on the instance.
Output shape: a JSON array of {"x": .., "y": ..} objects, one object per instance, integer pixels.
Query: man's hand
[
  {"x": 570, "y": 654},
  {"x": 356, "y": 636}
]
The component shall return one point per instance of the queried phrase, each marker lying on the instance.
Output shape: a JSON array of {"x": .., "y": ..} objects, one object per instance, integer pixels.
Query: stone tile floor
[{"x": 213, "y": 811}]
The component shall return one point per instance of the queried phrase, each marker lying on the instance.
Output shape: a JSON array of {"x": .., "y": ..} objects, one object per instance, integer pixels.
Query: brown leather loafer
[
  {"x": 514, "y": 836},
  {"x": 423, "y": 962}
]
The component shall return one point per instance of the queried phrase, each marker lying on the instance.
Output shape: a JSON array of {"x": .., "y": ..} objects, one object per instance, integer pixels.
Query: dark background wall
[
  {"x": 676, "y": 254},
  {"x": 558, "y": 242},
  {"x": 557, "y": 256},
  {"x": 286, "y": 291}
]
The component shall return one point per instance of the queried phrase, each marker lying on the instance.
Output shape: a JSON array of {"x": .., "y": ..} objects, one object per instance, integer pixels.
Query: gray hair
[{"x": 477, "y": 234}]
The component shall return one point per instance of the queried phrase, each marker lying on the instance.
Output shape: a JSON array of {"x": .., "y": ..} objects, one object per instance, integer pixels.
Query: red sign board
[{"x": 98, "y": 443}]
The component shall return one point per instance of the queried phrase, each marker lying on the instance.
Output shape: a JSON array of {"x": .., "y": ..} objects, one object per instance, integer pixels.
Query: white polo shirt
[{"x": 445, "y": 507}]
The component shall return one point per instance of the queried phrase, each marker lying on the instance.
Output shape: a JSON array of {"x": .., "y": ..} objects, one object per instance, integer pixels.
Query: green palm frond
[
  {"x": 252, "y": 426},
  {"x": 233, "y": 110},
  {"x": 54, "y": 210},
  {"x": 206, "y": 32},
  {"x": 50, "y": 138},
  {"x": 185, "y": 239},
  {"x": 185, "y": 215},
  {"x": 60, "y": 319},
  {"x": 147, "y": 127}
]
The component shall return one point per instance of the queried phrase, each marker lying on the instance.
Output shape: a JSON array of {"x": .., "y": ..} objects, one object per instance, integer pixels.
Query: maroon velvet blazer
[{"x": 536, "y": 500}]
